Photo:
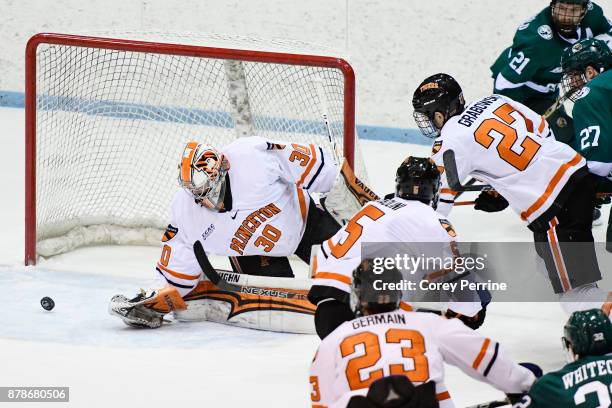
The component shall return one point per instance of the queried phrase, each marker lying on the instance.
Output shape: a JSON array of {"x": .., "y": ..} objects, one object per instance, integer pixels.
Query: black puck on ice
[{"x": 47, "y": 303}]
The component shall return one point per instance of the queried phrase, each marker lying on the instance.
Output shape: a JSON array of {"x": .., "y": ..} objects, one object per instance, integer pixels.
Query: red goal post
[{"x": 53, "y": 116}]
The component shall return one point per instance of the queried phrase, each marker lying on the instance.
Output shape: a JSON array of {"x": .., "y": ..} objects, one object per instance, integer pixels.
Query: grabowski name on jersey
[{"x": 474, "y": 111}]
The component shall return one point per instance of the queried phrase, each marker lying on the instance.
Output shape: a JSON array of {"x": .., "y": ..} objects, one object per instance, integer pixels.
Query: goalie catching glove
[{"x": 146, "y": 310}]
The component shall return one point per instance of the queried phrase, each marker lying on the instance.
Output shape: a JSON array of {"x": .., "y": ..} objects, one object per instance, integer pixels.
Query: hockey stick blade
[{"x": 450, "y": 168}]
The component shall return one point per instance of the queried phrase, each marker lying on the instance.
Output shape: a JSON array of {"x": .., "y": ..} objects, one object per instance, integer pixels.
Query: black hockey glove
[
  {"x": 472, "y": 322},
  {"x": 490, "y": 201}
]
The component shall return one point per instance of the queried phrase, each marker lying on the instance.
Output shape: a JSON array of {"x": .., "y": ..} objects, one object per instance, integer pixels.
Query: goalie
[{"x": 250, "y": 201}]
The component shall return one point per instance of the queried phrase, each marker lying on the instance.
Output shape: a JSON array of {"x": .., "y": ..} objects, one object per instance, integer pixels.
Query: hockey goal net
[{"x": 106, "y": 121}]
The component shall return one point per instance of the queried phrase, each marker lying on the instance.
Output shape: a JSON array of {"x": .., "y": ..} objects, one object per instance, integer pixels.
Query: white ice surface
[{"x": 200, "y": 364}]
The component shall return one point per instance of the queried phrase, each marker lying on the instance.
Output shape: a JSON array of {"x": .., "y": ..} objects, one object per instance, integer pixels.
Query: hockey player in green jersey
[
  {"x": 529, "y": 71},
  {"x": 587, "y": 80},
  {"x": 587, "y": 77},
  {"x": 585, "y": 381}
]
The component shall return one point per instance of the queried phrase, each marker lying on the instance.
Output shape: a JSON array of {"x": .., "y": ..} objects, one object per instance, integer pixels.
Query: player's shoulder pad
[
  {"x": 594, "y": 13},
  {"x": 534, "y": 33}
]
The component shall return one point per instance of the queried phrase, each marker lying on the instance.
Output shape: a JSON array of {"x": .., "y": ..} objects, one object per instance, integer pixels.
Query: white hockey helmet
[{"x": 202, "y": 172}]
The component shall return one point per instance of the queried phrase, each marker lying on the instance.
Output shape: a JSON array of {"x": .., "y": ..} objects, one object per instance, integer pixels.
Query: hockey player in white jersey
[
  {"x": 406, "y": 217},
  {"x": 249, "y": 201},
  {"x": 505, "y": 144},
  {"x": 365, "y": 356}
]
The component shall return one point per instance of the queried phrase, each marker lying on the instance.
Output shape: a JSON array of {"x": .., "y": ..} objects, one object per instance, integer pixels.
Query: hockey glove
[
  {"x": 472, "y": 322},
  {"x": 490, "y": 201}
]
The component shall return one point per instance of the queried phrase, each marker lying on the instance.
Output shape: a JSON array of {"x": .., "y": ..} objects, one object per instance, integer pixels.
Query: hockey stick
[
  {"x": 218, "y": 280},
  {"x": 558, "y": 103},
  {"x": 450, "y": 168},
  {"x": 491, "y": 404},
  {"x": 330, "y": 136},
  {"x": 468, "y": 183}
]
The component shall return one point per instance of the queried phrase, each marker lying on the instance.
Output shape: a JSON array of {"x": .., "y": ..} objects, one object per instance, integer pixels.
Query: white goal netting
[{"x": 111, "y": 125}]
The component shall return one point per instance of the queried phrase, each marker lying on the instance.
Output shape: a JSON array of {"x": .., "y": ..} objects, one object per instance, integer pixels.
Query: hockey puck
[{"x": 47, "y": 303}]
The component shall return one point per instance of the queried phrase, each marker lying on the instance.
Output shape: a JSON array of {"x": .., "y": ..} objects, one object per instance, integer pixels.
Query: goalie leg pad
[{"x": 274, "y": 309}]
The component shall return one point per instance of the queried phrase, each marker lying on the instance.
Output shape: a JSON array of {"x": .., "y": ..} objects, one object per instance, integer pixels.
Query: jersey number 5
[
  {"x": 416, "y": 371},
  {"x": 509, "y": 135},
  {"x": 354, "y": 230}
]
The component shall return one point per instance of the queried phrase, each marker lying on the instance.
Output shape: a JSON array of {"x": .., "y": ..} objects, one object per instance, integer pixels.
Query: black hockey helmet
[
  {"x": 588, "y": 333},
  {"x": 371, "y": 292},
  {"x": 437, "y": 93},
  {"x": 567, "y": 15},
  {"x": 417, "y": 178}
]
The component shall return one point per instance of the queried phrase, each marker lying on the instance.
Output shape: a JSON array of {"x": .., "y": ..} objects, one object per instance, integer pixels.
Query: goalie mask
[
  {"x": 438, "y": 93},
  {"x": 591, "y": 54},
  {"x": 202, "y": 172},
  {"x": 567, "y": 15},
  {"x": 370, "y": 293}
]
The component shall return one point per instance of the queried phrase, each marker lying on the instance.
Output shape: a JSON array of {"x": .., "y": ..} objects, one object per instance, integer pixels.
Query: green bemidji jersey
[
  {"x": 593, "y": 127},
  {"x": 593, "y": 119},
  {"x": 530, "y": 71},
  {"x": 585, "y": 383}
]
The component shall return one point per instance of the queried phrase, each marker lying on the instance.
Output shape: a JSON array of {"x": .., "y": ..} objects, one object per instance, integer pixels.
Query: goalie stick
[
  {"x": 450, "y": 168},
  {"x": 218, "y": 280}
]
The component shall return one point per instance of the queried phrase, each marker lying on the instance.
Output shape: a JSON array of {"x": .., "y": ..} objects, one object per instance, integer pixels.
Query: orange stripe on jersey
[
  {"x": 318, "y": 406},
  {"x": 551, "y": 186},
  {"x": 556, "y": 250},
  {"x": 448, "y": 191},
  {"x": 177, "y": 274},
  {"x": 313, "y": 159},
  {"x": 480, "y": 356},
  {"x": 405, "y": 306},
  {"x": 302, "y": 201},
  {"x": 542, "y": 125},
  {"x": 313, "y": 267},
  {"x": 443, "y": 396},
  {"x": 335, "y": 276}
]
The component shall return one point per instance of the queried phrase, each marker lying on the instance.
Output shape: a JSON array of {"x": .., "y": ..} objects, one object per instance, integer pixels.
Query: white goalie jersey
[
  {"x": 413, "y": 344},
  {"x": 505, "y": 144},
  {"x": 268, "y": 184}
]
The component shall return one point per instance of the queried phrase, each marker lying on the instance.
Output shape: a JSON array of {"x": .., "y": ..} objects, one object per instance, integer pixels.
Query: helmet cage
[
  {"x": 426, "y": 125},
  {"x": 566, "y": 20},
  {"x": 572, "y": 82},
  {"x": 202, "y": 172}
]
